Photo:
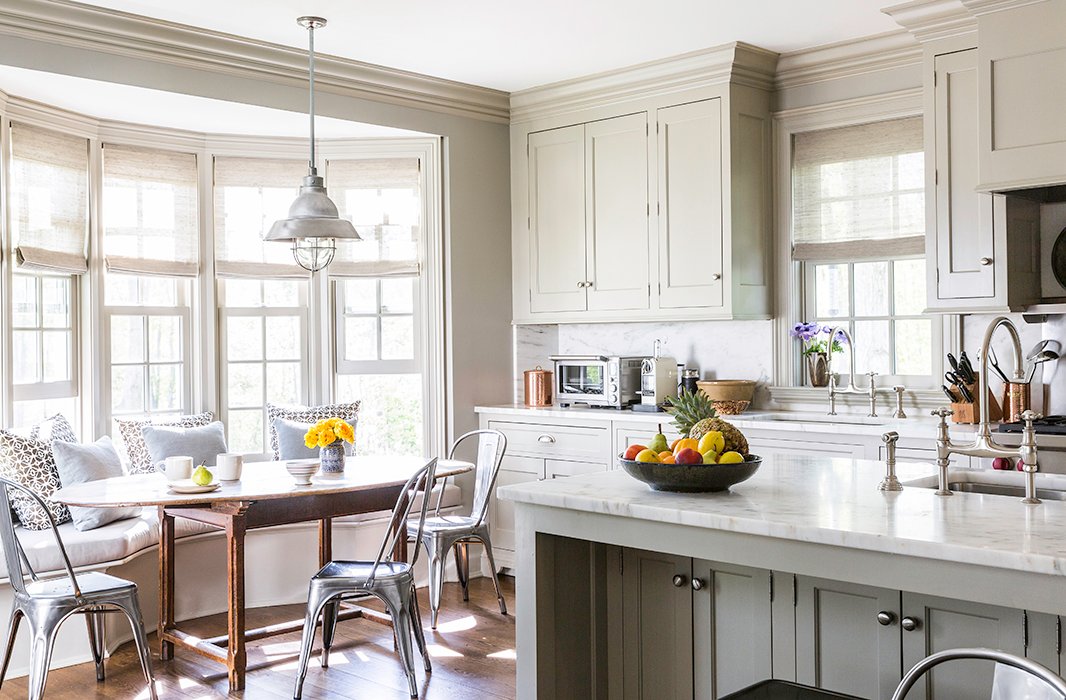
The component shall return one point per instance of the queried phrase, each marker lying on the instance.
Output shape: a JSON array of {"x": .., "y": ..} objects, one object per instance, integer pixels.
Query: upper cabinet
[
  {"x": 1022, "y": 74},
  {"x": 645, "y": 203}
]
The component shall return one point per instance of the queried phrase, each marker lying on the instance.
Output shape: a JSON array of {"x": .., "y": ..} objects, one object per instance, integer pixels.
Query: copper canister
[
  {"x": 1017, "y": 401},
  {"x": 538, "y": 387}
]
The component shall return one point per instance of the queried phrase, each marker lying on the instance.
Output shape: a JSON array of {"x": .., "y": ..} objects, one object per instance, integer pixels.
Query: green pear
[
  {"x": 659, "y": 444},
  {"x": 201, "y": 476}
]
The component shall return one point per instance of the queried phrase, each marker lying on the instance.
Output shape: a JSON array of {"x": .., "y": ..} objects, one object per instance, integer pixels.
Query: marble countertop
[{"x": 836, "y": 502}]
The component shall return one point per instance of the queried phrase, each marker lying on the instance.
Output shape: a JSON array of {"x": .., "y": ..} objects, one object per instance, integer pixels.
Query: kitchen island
[{"x": 805, "y": 572}]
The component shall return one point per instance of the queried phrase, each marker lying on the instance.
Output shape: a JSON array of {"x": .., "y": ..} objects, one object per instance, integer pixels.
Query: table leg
[
  {"x": 325, "y": 541},
  {"x": 166, "y": 581},
  {"x": 236, "y": 657}
]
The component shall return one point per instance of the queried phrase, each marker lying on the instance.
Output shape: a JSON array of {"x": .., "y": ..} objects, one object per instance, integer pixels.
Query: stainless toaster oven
[{"x": 597, "y": 380}]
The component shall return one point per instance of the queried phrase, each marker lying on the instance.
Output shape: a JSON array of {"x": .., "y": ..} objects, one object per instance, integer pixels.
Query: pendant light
[{"x": 314, "y": 223}]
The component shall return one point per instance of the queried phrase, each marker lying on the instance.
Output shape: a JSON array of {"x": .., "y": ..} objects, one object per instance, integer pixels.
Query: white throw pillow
[{"x": 78, "y": 464}]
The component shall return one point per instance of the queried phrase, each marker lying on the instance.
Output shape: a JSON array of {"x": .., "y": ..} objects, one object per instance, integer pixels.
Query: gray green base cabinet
[{"x": 668, "y": 639}]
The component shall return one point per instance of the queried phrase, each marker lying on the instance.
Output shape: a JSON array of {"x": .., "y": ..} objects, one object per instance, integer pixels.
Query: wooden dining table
[{"x": 265, "y": 496}]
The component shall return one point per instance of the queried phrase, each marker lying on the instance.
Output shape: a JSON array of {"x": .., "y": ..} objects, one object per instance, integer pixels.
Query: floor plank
[{"x": 472, "y": 653}]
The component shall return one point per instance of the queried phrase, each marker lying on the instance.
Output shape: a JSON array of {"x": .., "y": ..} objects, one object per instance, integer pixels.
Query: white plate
[{"x": 188, "y": 486}]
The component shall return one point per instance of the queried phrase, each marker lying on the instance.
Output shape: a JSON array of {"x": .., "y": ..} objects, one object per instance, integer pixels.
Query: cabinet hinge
[
  {"x": 658, "y": 208},
  {"x": 771, "y": 586},
  {"x": 936, "y": 177},
  {"x": 649, "y": 208},
  {"x": 529, "y": 223},
  {"x": 1058, "y": 635},
  {"x": 795, "y": 592},
  {"x": 621, "y": 560},
  {"x": 1025, "y": 629}
]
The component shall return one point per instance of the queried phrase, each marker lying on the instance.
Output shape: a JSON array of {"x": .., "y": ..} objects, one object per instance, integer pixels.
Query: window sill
[{"x": 799, "y": 398}]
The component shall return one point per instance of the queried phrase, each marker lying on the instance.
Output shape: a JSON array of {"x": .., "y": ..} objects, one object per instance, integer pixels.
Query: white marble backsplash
[{"x": 721, "y": 349}]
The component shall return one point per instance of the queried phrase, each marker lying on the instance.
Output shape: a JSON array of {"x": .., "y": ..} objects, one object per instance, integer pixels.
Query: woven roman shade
[
  {"x": 859, "y": 191},
  {"x": 250, "y": 195},
  {"x": 383, "y": 199},
  {"x": 49, "y": 199},
  {"x": 150, "y": 213}
]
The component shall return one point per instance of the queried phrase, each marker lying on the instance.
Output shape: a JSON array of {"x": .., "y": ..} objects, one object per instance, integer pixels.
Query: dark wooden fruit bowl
[{"x": 691, "y": 478}]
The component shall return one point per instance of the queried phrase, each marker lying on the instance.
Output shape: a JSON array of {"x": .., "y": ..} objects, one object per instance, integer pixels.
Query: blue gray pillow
[
  {"x": 290, "y": 436},
  {"x": 203, "y": 443},
  {"x": 78, "y": 464}
]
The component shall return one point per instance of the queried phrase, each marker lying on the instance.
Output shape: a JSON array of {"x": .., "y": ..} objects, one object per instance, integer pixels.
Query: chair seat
[
  {"x": 90, "y": 582},
  {"x": 444, "y": 524},
  {"x": 359, "y": 571}
]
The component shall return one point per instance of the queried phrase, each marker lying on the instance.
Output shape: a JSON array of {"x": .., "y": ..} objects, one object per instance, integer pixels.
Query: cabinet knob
[
  {"x": 546, "y": 438},
  {"x": 588, "y": 283},
  {"x": 716, "y": 276},
  {"x": 910, "y": 623},
  {"x": 985, "y": 261},
  {"x": 580, "y": 285},
  {"x": 698, "y": 584},
  {"x": 885, "y": 618},
  {"x": 679, "y": 580}
]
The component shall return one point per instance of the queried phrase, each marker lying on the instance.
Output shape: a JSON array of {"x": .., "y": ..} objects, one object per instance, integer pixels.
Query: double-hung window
[
  {"x": 858, "y": 232},
  {"x": 150, "y": 220},
  {"x": 263, "y": 298},
  {"x": 379, "y": 319},
  {"x": 49, "y": 218}
]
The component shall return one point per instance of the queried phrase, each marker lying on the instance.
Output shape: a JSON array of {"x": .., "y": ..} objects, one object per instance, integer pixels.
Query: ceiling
[
  {"x": 512, "y": 46},
  {"x": 137, "y": 105}
]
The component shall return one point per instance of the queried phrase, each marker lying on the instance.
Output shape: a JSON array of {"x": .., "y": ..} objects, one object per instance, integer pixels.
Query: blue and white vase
[{"x": 332, "y": 458}]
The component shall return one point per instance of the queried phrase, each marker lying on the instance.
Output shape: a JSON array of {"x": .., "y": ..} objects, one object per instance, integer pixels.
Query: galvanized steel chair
[
  {"x": 1054, "y": 683},
  {"x": 47, "y": 603},
  {"x": 393, "y": 582},
  {"x": 457, "y": 532}
]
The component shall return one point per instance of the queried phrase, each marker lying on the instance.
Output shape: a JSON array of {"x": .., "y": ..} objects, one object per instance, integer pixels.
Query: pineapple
[
  {"x": 689, "y": 409},
  {"x": 734, "y": 439}
]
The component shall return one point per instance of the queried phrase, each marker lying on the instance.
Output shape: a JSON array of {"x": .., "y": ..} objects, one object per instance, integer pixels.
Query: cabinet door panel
[
  {"x": 764, "y": 445},
  {"x": 963, "y": 216},
  {"x": 657, "y": 629},
  {"x": 513, "y": 470},
  {"x": 951, "y": 624},
  {"x": 616, "y": 227},
  {"x": 555, "y": 468},
  {"x": 731, "y": 628},
  {"x": 690, "y": 206},
  {"x": 840, "y": 645},
  {"x": 557, "y": 219}
]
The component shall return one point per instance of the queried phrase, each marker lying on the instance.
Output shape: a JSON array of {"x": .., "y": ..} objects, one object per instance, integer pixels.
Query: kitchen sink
[
  {"x": 1049, "y": 487},
  {"x": 817, "y": 418}
]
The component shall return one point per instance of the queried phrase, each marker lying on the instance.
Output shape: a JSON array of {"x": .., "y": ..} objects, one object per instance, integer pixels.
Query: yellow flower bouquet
[{"x": 326, "y": 432}]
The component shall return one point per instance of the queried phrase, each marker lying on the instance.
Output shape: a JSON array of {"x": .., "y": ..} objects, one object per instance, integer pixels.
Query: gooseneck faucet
[
  {"x": 850, "y": 388},
  {"x": 983, "y": 445}
]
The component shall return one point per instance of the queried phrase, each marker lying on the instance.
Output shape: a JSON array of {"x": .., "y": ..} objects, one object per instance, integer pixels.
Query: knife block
[{"x": 970, "y": 413}]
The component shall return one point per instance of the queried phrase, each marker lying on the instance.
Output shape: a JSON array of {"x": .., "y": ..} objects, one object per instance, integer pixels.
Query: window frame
[
  {"x": 41, "y": 390},
  {"x": 379, "y": 366},
  {"x": 788, "y": 390}
]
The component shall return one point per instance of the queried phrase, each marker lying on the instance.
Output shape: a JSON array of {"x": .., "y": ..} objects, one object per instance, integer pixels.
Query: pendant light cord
[{"x": 311, "y": 60}]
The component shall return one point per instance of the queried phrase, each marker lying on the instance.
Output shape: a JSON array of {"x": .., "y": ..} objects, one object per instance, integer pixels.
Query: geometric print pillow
[
  {"x": 29, "y": 461},
  {"x": 308, "y": 414},
  {"x": 137, "y": 450}
]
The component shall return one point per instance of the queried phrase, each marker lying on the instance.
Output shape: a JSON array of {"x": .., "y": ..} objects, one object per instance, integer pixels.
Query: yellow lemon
[
  {"x": 713, "y": 440},
  {"x": 648, "y": 456},
  {"x": 731, "y": 458}
]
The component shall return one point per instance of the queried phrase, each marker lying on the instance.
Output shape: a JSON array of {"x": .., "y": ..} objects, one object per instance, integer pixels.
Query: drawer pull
[
  {"x": 698, "y": 584},
  {"x": 680, "y": 580},
  {"x": 546, "y": 439},
  {"x": 910, "y": 623},
  {"x": 885, "y": 618}
]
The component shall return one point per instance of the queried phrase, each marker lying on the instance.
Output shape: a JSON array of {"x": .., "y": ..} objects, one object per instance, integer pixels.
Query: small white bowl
[{"x": 302, "y": 470}]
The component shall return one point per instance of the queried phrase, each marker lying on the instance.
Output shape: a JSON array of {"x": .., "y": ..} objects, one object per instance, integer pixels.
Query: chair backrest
[
  {"x": 1000, "y": 657},
  {"x": 420, "y": 483},
  {"x": 14, "y": 554},
  {"x": 491, "y": 446}
]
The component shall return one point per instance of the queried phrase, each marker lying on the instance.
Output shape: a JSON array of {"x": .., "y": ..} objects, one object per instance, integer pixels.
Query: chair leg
[
  {"x": 401, "y": 624},
  {"x": 329, "y": 628},
  {"x": 40, "y": 658},
  {"x": 132, "y": 609},
  {"x": 314, "y": 609},
  {"x": 420, "y": 634},
  {"x": 495, "y": 579},
  {"x": 95, "y": 624},
  {"x": 436, "y": 583},
  {"x": 462, "y": 567},
  {"x": 12, "y": 632}
]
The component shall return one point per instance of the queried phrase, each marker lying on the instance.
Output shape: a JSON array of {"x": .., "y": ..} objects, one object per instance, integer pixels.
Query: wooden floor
[{"x": 472, "y": 652}]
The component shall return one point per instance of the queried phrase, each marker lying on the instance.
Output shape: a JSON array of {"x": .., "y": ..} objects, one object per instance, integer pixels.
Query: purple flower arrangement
[{"x": 810, "y": 334}]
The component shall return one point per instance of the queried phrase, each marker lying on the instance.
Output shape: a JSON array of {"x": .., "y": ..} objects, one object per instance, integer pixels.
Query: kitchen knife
[
  {"x": 948, "y": 393},
  {"x": 967, "y": 397},
  {"x": 966, "y": 368},
  {"x": 953, "y": 362}
]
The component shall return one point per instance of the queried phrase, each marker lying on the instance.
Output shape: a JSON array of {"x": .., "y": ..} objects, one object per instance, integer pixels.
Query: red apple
[
  {"x": 688, "y": 456},
  {"x": 632, "y": 451}
]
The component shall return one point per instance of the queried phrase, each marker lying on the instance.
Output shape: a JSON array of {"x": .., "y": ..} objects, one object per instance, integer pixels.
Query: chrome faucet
[
  {"x": 983, "y": 444},
  {"x": 891, "y": 481},
  {"x": 851, "y": 388}
]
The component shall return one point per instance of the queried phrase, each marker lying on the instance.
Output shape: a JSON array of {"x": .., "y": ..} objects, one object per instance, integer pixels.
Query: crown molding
[
  {"x": 120, "y": 33},
  {"x": 847, "y": 59},
  {"x": 931, "y": 20},
  {"x": 736, "y": 62},
  {"x": 983, "y": 7}
]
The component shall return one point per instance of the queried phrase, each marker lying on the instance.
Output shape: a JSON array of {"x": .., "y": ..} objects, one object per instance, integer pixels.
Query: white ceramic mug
[
  {"x": 176, "y": 468},
  {"x": 228, "y": 466}
]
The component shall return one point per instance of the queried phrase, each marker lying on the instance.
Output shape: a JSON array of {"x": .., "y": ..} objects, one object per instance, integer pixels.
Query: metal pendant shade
[{"x": 314, "y": 222}]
